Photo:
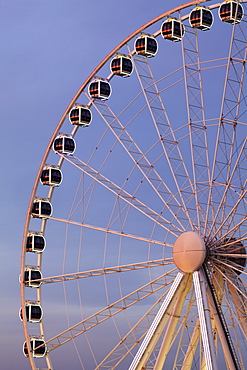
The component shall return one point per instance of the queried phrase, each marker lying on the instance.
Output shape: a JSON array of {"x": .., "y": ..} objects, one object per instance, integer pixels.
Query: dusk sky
[{"x": 48, "y": 48}]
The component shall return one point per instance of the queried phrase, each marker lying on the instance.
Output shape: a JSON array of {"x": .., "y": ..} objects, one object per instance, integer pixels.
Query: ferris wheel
[{"x": 134, "y": 246}]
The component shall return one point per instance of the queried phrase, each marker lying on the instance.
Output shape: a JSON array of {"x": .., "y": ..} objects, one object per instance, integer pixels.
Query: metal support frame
[
  {"x": 156, "y": 329},
  {"x": 141, "y": 161},
  {"x": 231, "y": 363},
  {"x": 200, "y": 283},
  {"x": 232, "y": 98},
  {"x": 175, "y": 315},
  {"x": 167, "y": 137},
  {"x": 196, "y": 120}
]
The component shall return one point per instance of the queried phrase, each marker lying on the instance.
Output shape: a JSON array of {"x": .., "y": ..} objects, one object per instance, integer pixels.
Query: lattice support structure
[
  {"x": 232, "y": 108},
  {"x": 167, "y": 137},
  {"x": 196, "y": 120}
]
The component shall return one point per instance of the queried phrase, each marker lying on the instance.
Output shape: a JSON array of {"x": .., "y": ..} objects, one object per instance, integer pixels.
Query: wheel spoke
[
  {"x": 230, "y": 111},
  {"x": 196, "y": 120},
  {"x": 109, "y": 231},
  {"x": 140, "y": 160},
  {"x": 121, "y": 193},
  {"x": 165, "y": 133},
  {"x": 107, "y": 312},
  {"x": 234, "y": 188},
  {"x": 105, "y": 271},
  {"x": 238, "y": 293},
  {"x": 233, "y": 230}
]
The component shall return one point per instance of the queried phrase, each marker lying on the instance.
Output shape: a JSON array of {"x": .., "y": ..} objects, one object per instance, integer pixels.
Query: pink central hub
[{"x": 189, "y": 251}]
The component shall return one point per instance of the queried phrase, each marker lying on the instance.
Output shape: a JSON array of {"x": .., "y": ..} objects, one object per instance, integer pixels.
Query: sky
[{"x": 48, "y": 48}]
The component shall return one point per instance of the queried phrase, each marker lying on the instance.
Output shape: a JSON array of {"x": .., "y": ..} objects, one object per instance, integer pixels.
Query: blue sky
[{"x": 48, "y": 48}]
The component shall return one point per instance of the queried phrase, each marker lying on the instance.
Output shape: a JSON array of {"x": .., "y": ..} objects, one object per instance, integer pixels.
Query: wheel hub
[{"x": 189, "y": 251}]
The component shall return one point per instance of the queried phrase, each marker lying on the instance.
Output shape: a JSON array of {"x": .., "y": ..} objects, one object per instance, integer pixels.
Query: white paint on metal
[
  {"x": 205, "y": 320},
  {"x": 158, "y": 324}
]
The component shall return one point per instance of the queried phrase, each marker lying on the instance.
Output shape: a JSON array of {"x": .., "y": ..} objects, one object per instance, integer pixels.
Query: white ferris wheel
[{"x": 134, "y": 247}]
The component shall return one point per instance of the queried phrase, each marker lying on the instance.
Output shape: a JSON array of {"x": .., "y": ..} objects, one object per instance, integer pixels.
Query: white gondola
[
  {"x": 146, "y": 45},
  {"x": 172, "y": 29},
  {"x": 64, "y": 144},
  {"x": 231, "y": 12},
  {"x": 41, "y": 208},
  {"x": 80, "y": 115},
  {"x": 99, "y": 89},
  {"x": 34, "y": 312},
  {"x": 121, "y": 65},
  {"x": 35, "y": 343},
  {"x": 32, "y": 277},
  {"x": 35, "y": 243},
  {"x": 201, "y": 18},
  {"x": 51, "y": 176}
]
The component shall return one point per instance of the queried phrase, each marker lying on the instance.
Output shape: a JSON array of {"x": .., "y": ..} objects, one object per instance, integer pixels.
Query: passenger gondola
[
  {"x": 35, "y": 343},
  {"x": 172, "y": 29},
  {"x": 121, "y": 65},
  {"x": 64, "y": 144},
  {"x": 99, "y": 89},
  {"x": 231, "y": 12},
  {"x": 41, "y": 208},
  {"x": 32, "y": 277},
  {"x": 35, "y": 243},
  {"x": 34, "y": 312},
  {"x": 201, "y": 18},
  {"x": 146, "y": 45},
  {"x": 80, "y": 115},
  {"x": 51, "y": 176}
]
